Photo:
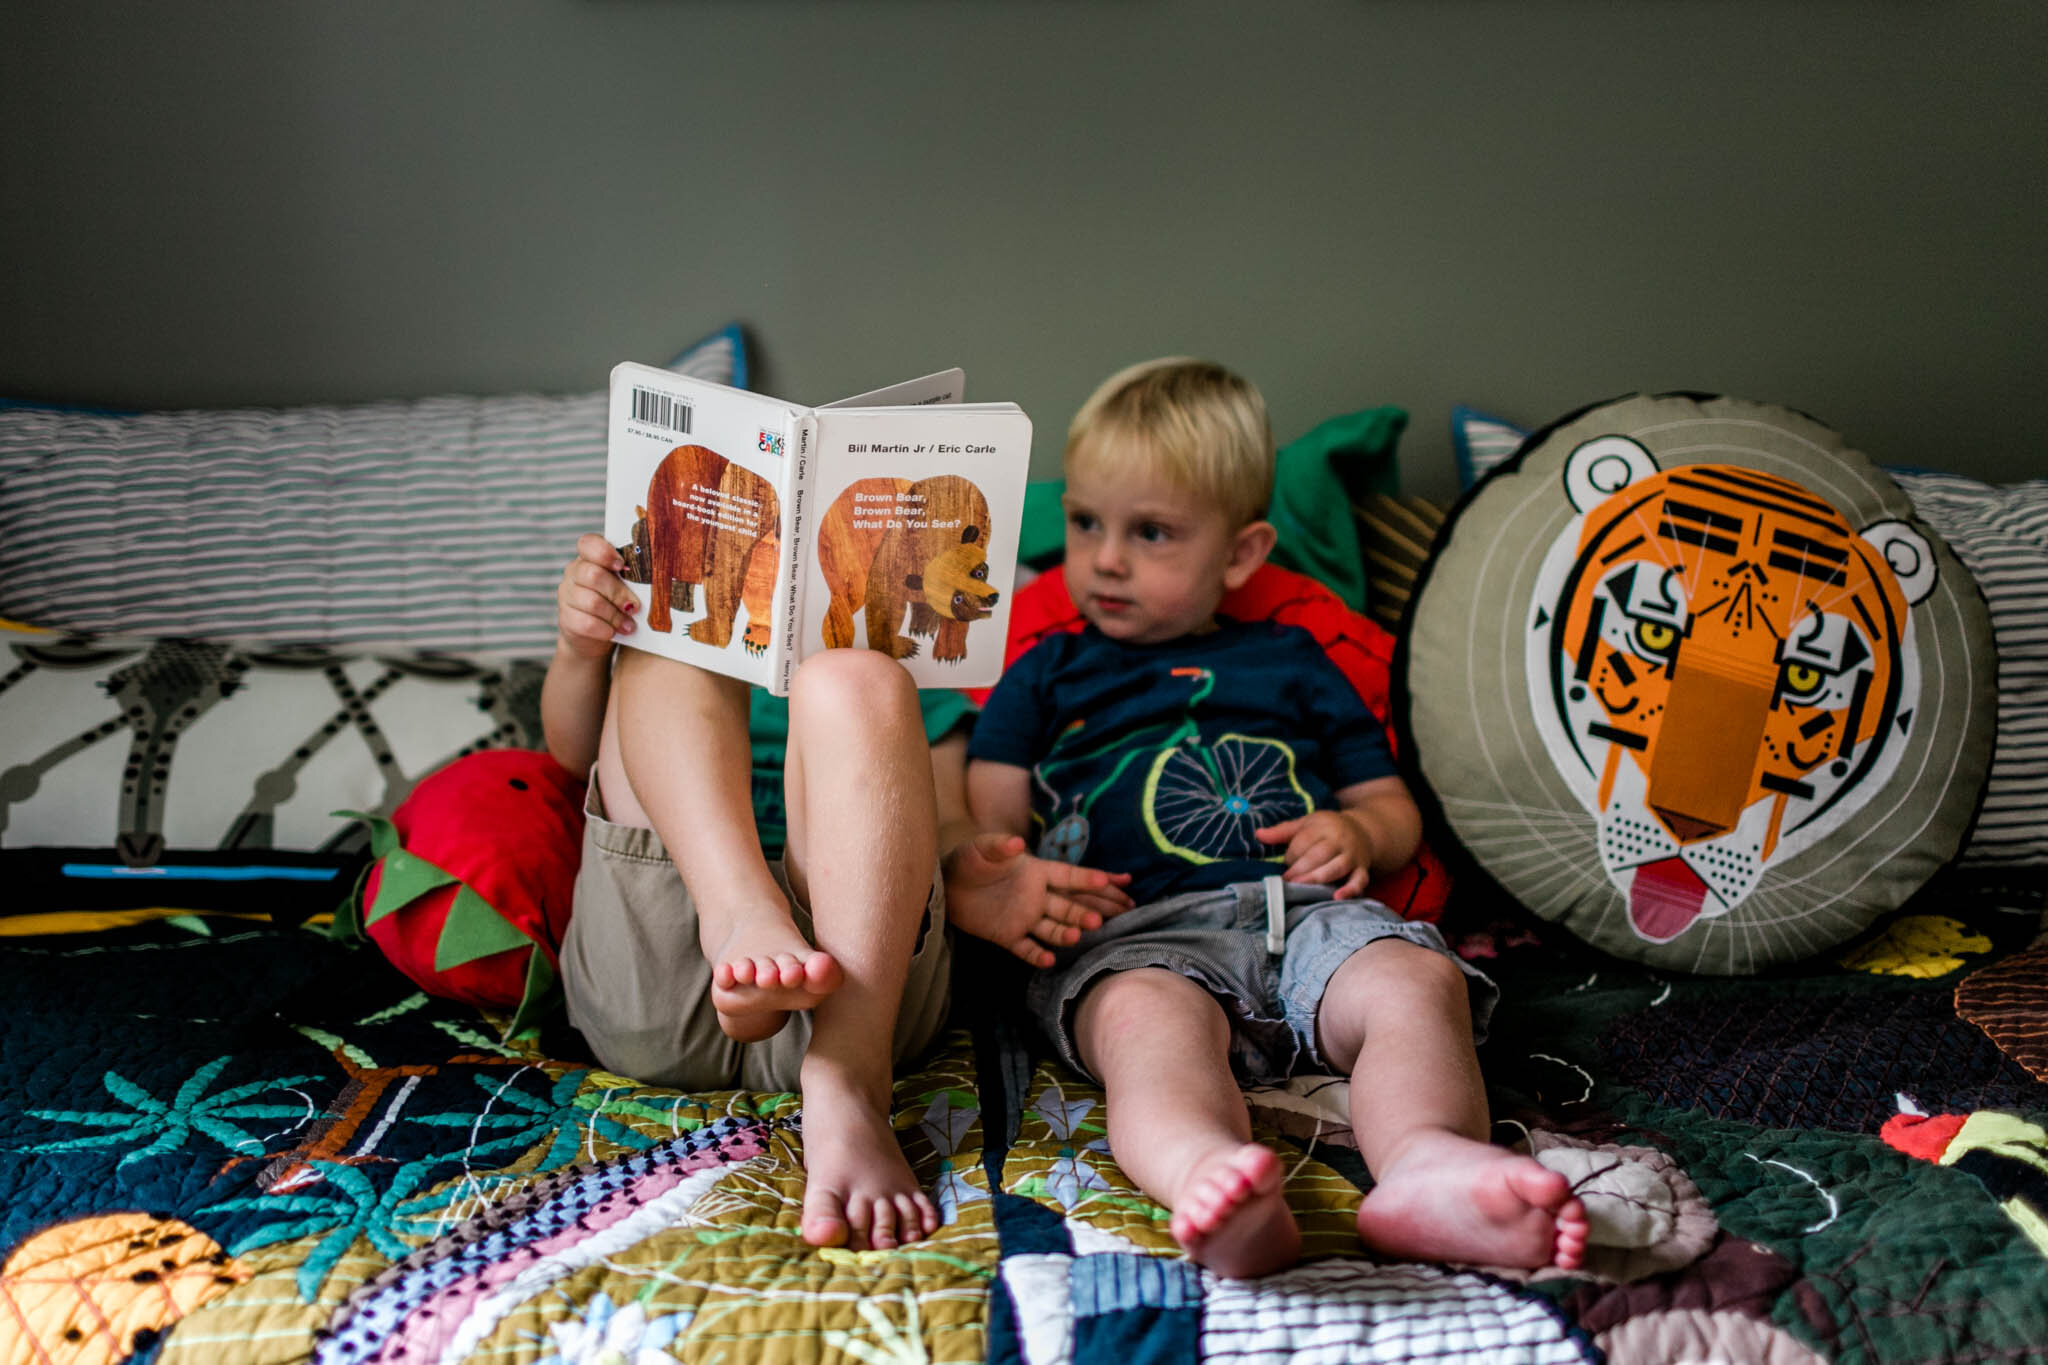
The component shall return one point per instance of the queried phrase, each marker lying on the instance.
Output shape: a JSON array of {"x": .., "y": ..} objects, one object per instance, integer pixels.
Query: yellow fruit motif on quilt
[
  {"x": 101, "y": 1289},
  {"x": 1924, "y": 946}
]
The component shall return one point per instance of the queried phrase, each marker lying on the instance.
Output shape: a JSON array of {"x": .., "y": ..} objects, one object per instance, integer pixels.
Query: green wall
[{"x": 1522, "y": 205}]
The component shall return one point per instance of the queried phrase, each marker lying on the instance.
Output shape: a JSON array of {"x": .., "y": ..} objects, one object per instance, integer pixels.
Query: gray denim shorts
[{"x": 1218, "y": 939}]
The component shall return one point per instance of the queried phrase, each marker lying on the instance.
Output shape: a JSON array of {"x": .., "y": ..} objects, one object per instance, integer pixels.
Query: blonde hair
[{"x": 1191, "y": 421}]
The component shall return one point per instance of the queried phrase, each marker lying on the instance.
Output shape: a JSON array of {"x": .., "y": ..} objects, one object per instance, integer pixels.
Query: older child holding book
[{"x": 691, "y": 960}]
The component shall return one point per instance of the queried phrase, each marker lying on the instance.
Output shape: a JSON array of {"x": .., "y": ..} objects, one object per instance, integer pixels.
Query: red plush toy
[
  {"x": 1362, "y": 651},
  {"x": 470, "y": 892}
]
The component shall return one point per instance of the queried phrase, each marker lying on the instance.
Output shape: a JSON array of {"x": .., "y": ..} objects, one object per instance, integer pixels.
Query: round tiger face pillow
[{"x": 1687, "y": 677}]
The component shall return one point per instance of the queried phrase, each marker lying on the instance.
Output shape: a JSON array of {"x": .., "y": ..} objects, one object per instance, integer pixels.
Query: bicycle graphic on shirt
[{"x": 1203, "y": 798}]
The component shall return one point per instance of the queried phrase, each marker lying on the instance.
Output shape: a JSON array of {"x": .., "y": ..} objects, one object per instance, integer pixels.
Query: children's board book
[{"x": 756, "y": 532}]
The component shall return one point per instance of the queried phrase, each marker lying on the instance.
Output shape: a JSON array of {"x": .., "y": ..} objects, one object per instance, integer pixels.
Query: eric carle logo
[{"x": 771, "y": 443}]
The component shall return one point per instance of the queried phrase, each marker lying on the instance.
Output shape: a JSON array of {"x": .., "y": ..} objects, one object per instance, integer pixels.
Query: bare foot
[
  {"x": 1231, "y": 1216},
  {"x": 858, "y": 1189},
  {"x": 762, "y": 971},
  {"x": 1449, "y": 1198}
]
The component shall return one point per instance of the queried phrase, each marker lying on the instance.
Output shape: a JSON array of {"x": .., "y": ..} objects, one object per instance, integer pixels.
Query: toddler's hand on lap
[
  {"x": 1324, "y": 848},
  {"x": 1026, "y": 904}
]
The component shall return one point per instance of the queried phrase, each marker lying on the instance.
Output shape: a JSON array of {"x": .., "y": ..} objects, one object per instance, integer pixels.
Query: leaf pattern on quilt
[
  {"x": 566, "y": 1118},
  {"x": 1062, "y": 1116},
  {"x": 949, "y": 1116},
  {"x": 346, "y": 1206},
  {"x": 169, "y": 1124}
]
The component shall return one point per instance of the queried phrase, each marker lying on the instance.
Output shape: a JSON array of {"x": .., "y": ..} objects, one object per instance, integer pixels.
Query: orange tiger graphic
[{"x": 1722, "y": 668}]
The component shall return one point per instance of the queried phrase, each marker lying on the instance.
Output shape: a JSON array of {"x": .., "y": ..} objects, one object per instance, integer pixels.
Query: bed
[{"x": 227, "y": 1136}]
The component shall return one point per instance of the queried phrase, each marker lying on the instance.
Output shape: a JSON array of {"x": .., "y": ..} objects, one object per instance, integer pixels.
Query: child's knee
[
  {"x": 1389, "y": 982},
  {"x": 858, "y": 705},
  {"x": 851, "y": 685},
  {"x": 1394, "y": 966},
  {"x": 1140, "y": 1003}
]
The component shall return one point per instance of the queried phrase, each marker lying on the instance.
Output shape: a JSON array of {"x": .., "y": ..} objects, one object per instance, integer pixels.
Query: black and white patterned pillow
[{"x": 206, "y": 773}]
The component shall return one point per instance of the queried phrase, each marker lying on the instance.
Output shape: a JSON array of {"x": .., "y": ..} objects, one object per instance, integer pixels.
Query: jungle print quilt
[{"x": 222, "y": 1140}]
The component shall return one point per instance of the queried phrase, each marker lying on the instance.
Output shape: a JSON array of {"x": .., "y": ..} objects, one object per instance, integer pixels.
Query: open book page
[
  {"x": 693, "y": 490},
  {"x": 947, "y": 386},
  {"x": 916, "y": 546}
]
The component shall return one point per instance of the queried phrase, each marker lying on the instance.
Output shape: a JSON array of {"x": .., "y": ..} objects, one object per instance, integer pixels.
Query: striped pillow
[
  {"x": 2001, "y": 535},
  {"x": 1480, "y": 442},
  {"x": 1396, "y": 533},
  {"x": 438, "y": 523}
]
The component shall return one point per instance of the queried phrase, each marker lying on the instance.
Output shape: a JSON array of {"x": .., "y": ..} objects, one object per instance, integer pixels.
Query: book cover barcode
[{"x": 661, "y": 410}]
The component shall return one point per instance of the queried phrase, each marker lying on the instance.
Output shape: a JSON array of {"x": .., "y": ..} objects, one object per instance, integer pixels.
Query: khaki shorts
[{"x": 639, "y": 988}]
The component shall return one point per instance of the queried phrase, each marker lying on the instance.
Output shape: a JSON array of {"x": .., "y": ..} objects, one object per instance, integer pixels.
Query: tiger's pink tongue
[{"x": 1663, "y": 898}]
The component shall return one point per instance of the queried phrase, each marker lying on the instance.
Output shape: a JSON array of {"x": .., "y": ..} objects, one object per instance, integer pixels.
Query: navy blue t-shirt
[{"x": 1160, "y": 760}]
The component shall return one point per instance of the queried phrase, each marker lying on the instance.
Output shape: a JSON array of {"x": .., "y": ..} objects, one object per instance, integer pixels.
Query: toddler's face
[{"x": 1146, "y": 561}]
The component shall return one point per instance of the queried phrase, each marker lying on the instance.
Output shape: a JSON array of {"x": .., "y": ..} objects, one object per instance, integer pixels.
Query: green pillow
[{"x": 1315, "y": 480}]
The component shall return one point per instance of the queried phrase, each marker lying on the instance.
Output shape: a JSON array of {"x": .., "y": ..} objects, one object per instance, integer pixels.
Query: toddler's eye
[
  {"x": 1656, "y": 638},
  {"x": 1153, "y": 532},
  {"x": 1802, "y": 680},
  {"x": 1081, "y": 521}
]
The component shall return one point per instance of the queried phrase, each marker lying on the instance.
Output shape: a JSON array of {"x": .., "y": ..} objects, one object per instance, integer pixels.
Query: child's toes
[
  {"x": 1573, "y": 1228},
  {"x": 824, "y": 1220},
  {"x": 1539, "y": 1186},
  {"x": 882, "y": 1225},
  {"x": 820, "y": 974}
]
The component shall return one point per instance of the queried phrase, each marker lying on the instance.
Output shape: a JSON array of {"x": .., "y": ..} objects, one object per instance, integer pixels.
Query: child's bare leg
[
  {"x": 1396, "y": 1017},
  {"x": 863, "y": 841},
  {"x": 1177, "y": 1120},
  {"x": 674, "y": 757}
]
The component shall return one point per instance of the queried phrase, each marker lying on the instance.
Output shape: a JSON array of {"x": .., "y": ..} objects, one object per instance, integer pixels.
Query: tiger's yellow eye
[
  {"x": 1655, "y": 637},
  {"x": 1801, "y": 679}
]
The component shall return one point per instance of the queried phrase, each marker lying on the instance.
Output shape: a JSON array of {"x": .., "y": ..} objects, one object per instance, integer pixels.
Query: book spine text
[{"x": 798, "y": 530}]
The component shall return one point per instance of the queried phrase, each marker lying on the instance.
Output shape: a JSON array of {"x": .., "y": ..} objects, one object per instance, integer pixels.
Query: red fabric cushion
[
  {"x": 1360, "y": 648},
  {"x": 507, "y": 824}
]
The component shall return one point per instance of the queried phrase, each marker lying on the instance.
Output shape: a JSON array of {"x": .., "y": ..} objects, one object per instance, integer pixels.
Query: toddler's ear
[{"x": 1248, "y": 551}]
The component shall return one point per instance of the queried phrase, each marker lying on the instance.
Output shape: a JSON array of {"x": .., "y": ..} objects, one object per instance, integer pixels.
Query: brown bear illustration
[
  {"x": 938, "y": 568},
  {"x": 697, "y": 503},
  {"x": 639, "y": 559}
]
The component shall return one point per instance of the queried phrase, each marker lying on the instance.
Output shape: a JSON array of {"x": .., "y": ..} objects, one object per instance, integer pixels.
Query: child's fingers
[
  {"x": 1311, "y": 844},
  {"x": 1069, "y": 910},
  {"x": 1032, "y": 951},
  {"x": 1091, "y": 881},
  {"x": 1354, "y": 885},
  {"x": 1053, "y": 931},
  {"x": 998, "y": 848},
  {"x": 603, "y": 582},
  {"x": 1274, "y": 834},
  {"x": 1101, "y": 905},
  {"x": 1322, "y": 872},
  {"x": 597, "y": 550},
  {"x": 593, "y": 606}
]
